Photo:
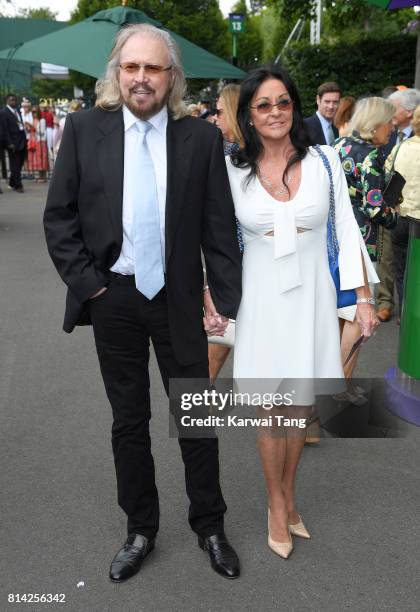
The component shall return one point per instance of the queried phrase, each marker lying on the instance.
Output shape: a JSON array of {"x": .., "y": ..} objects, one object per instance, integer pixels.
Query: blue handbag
[{"x": 345, "y": 297}]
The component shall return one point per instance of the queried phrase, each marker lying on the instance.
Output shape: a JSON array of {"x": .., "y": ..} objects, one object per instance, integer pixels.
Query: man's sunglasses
[
  {"x": 149, "y": 69},
  {"x": 266, "y": 107}
]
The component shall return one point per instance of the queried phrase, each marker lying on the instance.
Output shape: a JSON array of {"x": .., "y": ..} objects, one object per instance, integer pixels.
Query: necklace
[{"x": 276, "y": 190}]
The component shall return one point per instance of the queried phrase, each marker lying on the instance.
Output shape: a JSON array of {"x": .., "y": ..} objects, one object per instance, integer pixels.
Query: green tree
[
  {"x": 50, "y": 88},
  {"x": 343, "y": 21},
  {"x": 37, "y": 13}
]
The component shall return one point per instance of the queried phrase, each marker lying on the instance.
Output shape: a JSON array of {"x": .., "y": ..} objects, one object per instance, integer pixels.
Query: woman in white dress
[{"x": 287, "y": 325}]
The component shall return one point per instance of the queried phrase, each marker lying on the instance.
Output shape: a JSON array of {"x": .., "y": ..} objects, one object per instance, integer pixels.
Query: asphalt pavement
[{"x": 60, "y": 523}]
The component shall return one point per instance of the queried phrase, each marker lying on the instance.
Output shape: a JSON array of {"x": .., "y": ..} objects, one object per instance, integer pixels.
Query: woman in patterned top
[{"x": 363, "y": 163}]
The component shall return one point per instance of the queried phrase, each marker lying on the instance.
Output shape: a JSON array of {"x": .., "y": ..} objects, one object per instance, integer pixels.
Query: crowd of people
[
  {"x": 144, "y": 189},
  {"x": 30, "y": 135},
  {"x": 368, "y": 135}
]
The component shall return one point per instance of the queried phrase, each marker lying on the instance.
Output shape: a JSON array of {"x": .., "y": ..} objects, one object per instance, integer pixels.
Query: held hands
[
  {"x": 214, "y": 323},
  {"x": 367, "y": 320}
]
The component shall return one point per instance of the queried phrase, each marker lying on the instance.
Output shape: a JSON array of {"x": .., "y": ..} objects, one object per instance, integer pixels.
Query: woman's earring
[{"x": 251, "y": 124}]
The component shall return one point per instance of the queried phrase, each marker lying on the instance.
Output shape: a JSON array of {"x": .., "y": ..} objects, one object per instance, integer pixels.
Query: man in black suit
[
  {"x": 320, "y": 125},
  {"x": 14, "y": 140},
  {"x": 135, "y": 176}
]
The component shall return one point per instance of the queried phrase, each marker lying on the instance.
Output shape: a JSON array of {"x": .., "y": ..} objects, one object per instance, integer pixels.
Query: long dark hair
[{"x": 249, "y": 154}]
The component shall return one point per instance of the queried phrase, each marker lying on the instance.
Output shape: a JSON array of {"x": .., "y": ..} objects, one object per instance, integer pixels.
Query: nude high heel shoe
[
  {"x": 283, "y": 549},
  {"x": 299, "y": 529}
]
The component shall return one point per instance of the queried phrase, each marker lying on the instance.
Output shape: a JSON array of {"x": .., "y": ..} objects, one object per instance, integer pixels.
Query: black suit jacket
[
  {"x": 83, "y": 220},
  {"x": 315, "y": 130},
  {"x": 12, "y": 135}
]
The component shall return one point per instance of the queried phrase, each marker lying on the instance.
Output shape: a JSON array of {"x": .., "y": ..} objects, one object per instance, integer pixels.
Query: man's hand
[
  {"x": 98, "y": 293},
  {"x": 214, "y": 323}
]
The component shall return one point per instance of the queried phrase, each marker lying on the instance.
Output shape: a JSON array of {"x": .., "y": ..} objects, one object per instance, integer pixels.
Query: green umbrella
[{"x": 86, "y": 46}]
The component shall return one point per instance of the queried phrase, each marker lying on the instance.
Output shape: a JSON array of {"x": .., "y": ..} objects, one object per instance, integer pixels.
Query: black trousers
[
  {"x": 3, "y": 163},
  {"x": 124, "y": 321},
  {"x": 16, "y": 161},
  {"x": 399, "y": 237}
]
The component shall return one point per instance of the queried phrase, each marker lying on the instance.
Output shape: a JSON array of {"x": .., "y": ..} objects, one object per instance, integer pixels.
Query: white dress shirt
[
  {"x": 156, "y": 141},
  {"x": 326, "y": 125}
]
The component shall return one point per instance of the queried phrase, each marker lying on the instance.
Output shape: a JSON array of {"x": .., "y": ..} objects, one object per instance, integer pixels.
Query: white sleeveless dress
[{"x": 287, "y": 325}]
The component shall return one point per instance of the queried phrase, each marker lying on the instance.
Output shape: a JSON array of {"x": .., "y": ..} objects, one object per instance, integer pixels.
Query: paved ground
[{"x": 60, "y": 524}]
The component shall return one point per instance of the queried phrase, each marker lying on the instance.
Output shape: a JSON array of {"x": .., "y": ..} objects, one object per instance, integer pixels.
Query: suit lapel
[
  {"x": 321, "y": 135},
  {"x": 179, "y": 151},
  {"x": 110, "y": 148}
]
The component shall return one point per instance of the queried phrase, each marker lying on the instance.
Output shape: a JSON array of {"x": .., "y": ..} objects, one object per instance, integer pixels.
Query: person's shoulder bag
[{"x": 345, "y": 297}]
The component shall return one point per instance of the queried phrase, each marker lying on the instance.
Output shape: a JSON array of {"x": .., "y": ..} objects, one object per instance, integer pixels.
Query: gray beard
[{"x": 150, "y": 112}]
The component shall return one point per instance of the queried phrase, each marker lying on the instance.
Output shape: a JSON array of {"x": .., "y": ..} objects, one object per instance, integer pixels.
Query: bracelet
[
  {"x": 205, "y": 288},
  {"x": 369, "y": 300}
]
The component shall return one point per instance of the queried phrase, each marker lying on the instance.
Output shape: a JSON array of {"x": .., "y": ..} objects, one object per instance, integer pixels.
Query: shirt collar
[
  {"x": 322, "y": 119},
  {"x": 14, "y": 110},
  {"x": 158, "y": 121}
]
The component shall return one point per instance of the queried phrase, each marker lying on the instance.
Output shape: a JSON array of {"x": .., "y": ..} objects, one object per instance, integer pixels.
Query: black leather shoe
[
  {"x": 20, "y": 190},
  {"x": 128, "y": 560},
  {"x": 223, "y": 558}
]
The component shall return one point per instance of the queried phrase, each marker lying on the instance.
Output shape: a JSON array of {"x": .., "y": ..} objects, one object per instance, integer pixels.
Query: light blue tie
[
  {"x": 331, "y": 136},
  {"x": 148, "y": 263}
]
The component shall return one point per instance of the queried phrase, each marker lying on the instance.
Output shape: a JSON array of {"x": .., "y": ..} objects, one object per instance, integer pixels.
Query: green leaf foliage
[
  {"x": 363, "y": 67},
  {"x": 49, "y": 88},
  {"x": 43, "y": 12}
]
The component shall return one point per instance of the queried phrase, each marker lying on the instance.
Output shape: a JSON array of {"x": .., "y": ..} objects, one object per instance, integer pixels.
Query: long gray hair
[{"x": 108, "y": 88}]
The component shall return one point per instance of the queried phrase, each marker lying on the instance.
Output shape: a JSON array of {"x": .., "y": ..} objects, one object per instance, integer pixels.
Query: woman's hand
[
  {"x": 367, "y": 319},
  {"x": 214, "y": 323}
]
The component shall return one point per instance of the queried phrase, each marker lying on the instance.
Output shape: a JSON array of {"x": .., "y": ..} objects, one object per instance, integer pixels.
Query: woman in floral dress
[{"x": 363, "y": 164}]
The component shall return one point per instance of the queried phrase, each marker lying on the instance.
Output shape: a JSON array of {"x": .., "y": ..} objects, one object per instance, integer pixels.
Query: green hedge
[{"x": 360, "y": 68}]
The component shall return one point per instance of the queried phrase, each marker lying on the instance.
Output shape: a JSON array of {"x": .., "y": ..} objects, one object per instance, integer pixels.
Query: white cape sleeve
[{"x": 350, "y": 241}]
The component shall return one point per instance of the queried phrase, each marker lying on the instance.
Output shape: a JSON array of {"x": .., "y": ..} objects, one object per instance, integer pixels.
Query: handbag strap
[
  {"x": 395, "y": 157},
  {"x": 332, "y": 242}
]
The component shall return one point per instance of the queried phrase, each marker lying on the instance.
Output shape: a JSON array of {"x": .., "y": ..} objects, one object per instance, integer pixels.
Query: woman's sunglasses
[{"x": 266, "y": 107}]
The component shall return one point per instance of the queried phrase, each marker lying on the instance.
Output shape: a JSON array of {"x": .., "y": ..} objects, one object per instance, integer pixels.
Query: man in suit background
[
  {"x": 138, "y": 190},
  {"x": 14, "y": 140},
  {"x": 405, "y": 102},
  {"x": 320, "y": 125}
]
